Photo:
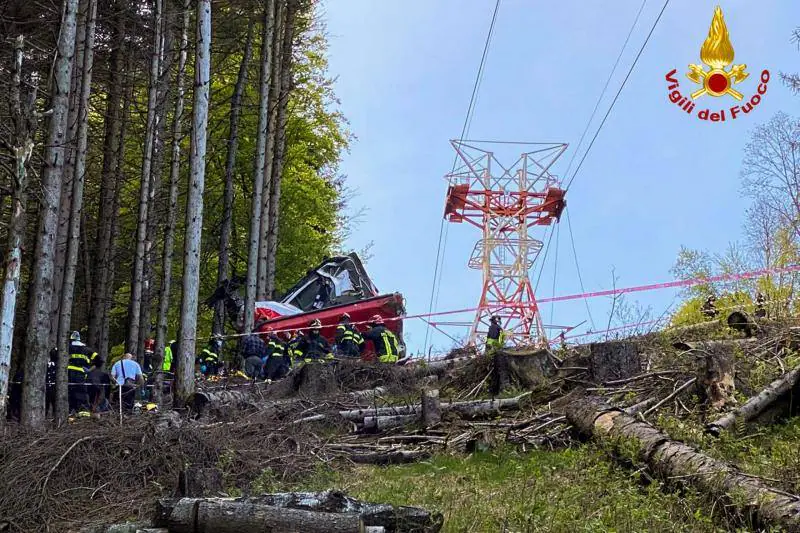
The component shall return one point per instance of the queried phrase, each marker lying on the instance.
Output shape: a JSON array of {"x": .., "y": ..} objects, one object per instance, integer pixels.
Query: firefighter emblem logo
[
  {"x": 717, "y": 77},
  {"x": 717, "y": 54}
]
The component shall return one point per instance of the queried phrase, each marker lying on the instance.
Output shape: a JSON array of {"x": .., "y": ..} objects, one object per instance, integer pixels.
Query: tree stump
[
  {"x": 741, "y": 321},
  {"x": 716, "y": 378},
  {"x": 614, "y": 360},
  {"x": 198, "y": 482},
  {"x": 316, "y": 380},
  {"x": 525, "y": 369},
  {"x": 431, "y": 410}
]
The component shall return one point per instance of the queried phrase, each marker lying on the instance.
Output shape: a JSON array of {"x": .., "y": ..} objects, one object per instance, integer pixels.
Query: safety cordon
[{"x": 738, "y": 276}]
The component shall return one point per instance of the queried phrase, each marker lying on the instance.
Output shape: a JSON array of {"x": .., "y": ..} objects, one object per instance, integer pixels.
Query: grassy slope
[{"x": 571, "y": 490}]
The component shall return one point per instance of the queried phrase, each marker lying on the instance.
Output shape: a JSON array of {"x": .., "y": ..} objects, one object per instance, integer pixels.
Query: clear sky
[{"x": 655, "y": 179}]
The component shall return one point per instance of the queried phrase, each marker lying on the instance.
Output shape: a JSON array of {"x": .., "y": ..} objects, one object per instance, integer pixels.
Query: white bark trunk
[
  {"x": 258, "y": 171},
  {"x": 184, "y": 378},
  {"x": 280, "y": 144},
  {"x": 22, "y": 151},
  {"x": 76, "y": 207},
  {"x": 41, "y": 287},
  {"x": 144, "y": 191},
  {"x": 172, "y": 211}
]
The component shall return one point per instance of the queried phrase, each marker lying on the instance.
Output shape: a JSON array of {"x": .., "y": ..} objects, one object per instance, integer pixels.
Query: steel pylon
[{"x": 507, "y": 204}]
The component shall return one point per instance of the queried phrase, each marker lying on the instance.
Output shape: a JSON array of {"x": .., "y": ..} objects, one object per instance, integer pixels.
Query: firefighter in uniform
[
  {"x": 709, "y": 308},
  {"x": 386, "y": 345},
  {"x": 314, "y": 347},
  {"x": 169, "y": 351},
  {"x": 761, "y": 311},
  {"x": 209, "y": 359},
  {"x": 78, "y": 366},
  {"x": 277, "y": 361},
  {"x": 496, "y": 337},
  {"x": 349, "y": 342}
]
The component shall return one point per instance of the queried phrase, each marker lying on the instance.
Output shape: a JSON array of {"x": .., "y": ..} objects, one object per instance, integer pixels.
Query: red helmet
[
  {"x": 377, "y": 319},
  {"x": 315, "y": 324}
]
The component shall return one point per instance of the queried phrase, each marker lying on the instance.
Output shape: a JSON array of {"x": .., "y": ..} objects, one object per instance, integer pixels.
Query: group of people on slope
[{"x": 274, "y": 357}]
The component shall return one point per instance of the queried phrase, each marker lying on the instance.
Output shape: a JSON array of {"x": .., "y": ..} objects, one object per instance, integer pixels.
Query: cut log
[
  {"x": 431, "y": 409},
  {"x": 716, "y": 377},
  {"x": 524, "y": 369},
  {"x": 319, "y": 506},
  {"x": 675, "y": 461},
  {"x": 612, "y": 361},
  {"x": 359, "y": 414},
  {"x": 394, "y": 457},
  {"x": 758, "y": 404},
  {"x": 382, "y": 423},
  {"x": 446, "y": 364},
  {"x": 482, "y": 407},
  {"x": 367, "y": 395}
]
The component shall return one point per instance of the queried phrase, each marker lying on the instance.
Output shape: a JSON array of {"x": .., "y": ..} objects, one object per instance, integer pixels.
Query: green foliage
[{"x": 565, "y": 491}]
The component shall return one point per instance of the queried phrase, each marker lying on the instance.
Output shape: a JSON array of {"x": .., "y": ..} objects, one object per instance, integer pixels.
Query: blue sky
[{"x": 655, "y": 179}]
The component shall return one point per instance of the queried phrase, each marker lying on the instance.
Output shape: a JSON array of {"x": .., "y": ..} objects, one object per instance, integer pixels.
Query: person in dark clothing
[
  {"x": 15, "y": 395},
  {"x": 709, "y": 308},
  {"x": 386, "y": 345},
  {"x": 80, "y": 361},
  {"x": 495, "y": 338},
  {"x": 277, "y": 362},
  {"x": 349, "y": 342},
  {"x": 253, "y": 350},
  {"x": 99, "y": 386},
  {"x": 50, "y": 385},
  {"x": 209, "y": 359},
  {"x": 313, "y": 346},
  {"x": 760, "y": 311}
]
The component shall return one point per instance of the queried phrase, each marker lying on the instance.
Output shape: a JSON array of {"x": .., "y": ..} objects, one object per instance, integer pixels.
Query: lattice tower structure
[{"x": 509, "y": 204}]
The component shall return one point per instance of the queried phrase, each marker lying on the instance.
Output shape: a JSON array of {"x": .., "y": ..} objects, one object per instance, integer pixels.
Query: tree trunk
[
  {"x": 65, "y": 211},
  {"x": 431, "y": 408},
  {"x": 269, "y": 157},
  {"x": 23, "y": 121},
  {"x": 280, "y": 144},
  {"x": 163, "y": 92},
  {"x": 76, "y": 207},
  {"x": 258, "y": 171},
  {"x": 184, "y": 378},
  {"x": 41, "y": 288},
  {"x": 111, "y": 158},
  {"x": 172, "y": 208},
  {"x": 132, "y": 341},
  {"x": 683, "y": 464},
  {"x": 230, "y": 168},
  {"x": 318, "y": 509},
  {"x": 759, "y": 403}
]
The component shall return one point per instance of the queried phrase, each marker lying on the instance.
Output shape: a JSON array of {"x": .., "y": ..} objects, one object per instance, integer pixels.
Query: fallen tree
[
  {"x": 675, "y": 461},
  {"x": 758, "y": 404},
  {"x": 325, "y": 512}
]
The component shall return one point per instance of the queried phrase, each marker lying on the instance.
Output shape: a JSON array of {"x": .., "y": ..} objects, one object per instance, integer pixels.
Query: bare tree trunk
[
  {"x": 111, "y": 158},
  {"x": 132, "y": 343},
  {"x": 24, "y": 123},
  {"x": 258, "y": 170},
  {"x": 76, "y": 207},
  {"x": 41, "y": 288},
  {"x": 269, "y": 158},
  {"x": 230, "y": 167},
  {"x": 172, "y": 211},
  {"x": 184, "y": 378},
  {"x": 155, "y": 183},
  {"x": 69, "y": 168},
  {"x": 280, "y": 144}
]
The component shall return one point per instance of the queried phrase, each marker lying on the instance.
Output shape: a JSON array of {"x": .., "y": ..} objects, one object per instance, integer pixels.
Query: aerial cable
[
  {"x": 442, "y": 245},
  {"x": 555, "y": 271},
  {"x": 605, "y": 87},
  {"x": 578, "y": 267},
  {"x": 616, "y": 97}
]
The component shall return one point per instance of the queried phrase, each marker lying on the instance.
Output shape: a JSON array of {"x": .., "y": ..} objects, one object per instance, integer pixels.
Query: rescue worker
[
  {"x": 169, "y": 350},
  {"x": 313, "y": 346},
  {"x": 496, "y": 337},
  {"x": 386, "y": 345},
  {"x": 277, "y": 362},
  {"x": 98, "y": 386},
  {"x": 78, "y": 366},
  {"x": 209, "y": 360},
  {"x": 291, "y": 349},
  {"x": 709, "y": 308},
  {"x": 761, "y": 311},
  {"x": 349, "y": 341},
  {"x": 253, "y": 350}
]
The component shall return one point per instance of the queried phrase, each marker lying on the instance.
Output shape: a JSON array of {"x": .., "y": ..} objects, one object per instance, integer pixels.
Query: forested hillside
[{"x": 150, "y": 150}]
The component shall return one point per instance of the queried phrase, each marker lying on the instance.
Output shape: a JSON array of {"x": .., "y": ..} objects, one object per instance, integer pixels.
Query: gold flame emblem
[{"x": 717, "y": 53}]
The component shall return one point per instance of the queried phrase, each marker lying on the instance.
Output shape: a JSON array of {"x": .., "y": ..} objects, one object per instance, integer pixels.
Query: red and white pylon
[{"x": 507, "y": 204}]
